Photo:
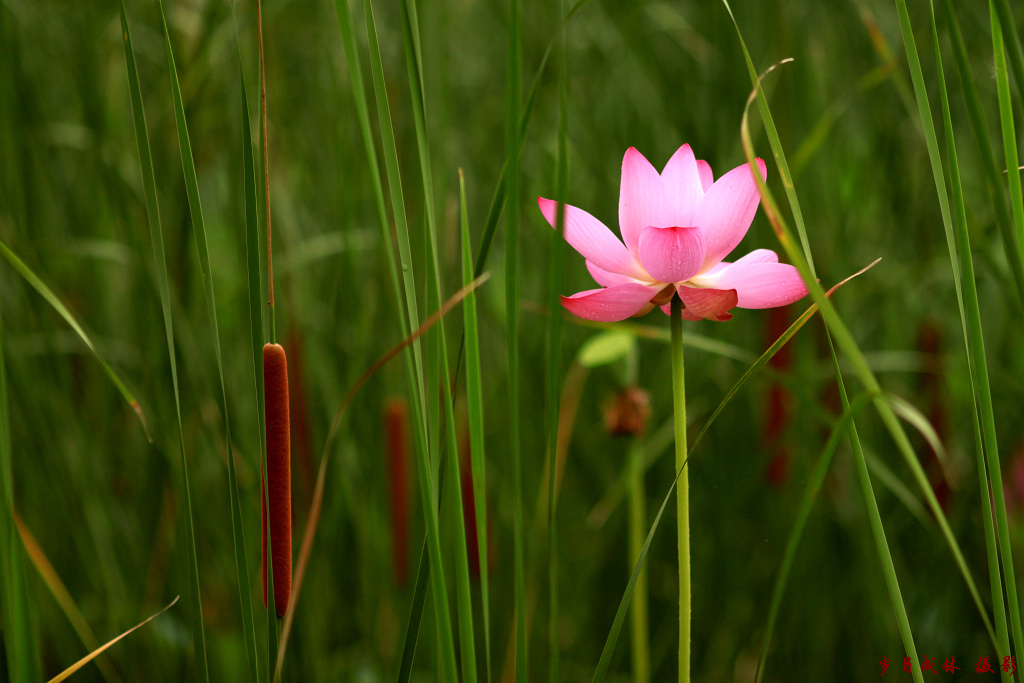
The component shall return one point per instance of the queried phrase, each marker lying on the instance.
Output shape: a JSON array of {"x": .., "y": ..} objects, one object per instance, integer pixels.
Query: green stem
[
  {"x": 683, "y": 495},
  {"x": 637, "y": 534}
]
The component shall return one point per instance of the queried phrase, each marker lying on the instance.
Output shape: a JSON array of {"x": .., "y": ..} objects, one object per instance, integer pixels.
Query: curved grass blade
[
  {"x": 63, "y": 597},
  {"x": 846, "y": 343},
  {"x": 770, "y": 352},
  {"x": 51, "y": 298},
  {"x": 160, "y": 263},
  {"x": 199, "y": 229},
  {"x": 95, "y": 653}
]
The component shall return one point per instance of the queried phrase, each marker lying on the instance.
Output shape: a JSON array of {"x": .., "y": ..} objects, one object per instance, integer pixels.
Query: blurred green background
[{"x": 104, "y": 503}]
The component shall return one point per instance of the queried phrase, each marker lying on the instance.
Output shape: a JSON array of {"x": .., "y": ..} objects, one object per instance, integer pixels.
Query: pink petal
[
  {"x": 610, "y": 304},
  {"x": 671, "y": 254},
  {"x": 761, "y": 285},
  {"x": 727, "y": 210},
  {"x": 592, "y": 239},
  {"x": 606, "y": 278},
  {"x": 704, "y": 171},
  {"x": 712, "y": 304},
  {"x": 683, "y": 188},
  {"x": 642, "y": 199},
  {"x": 757, "y": 256}
]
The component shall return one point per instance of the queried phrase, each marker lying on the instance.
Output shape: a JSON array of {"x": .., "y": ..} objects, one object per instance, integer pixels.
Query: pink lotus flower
[{"x": 677, "y": 228}]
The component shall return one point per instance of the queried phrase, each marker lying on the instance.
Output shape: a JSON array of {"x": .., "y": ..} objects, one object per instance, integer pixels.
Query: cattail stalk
[{"x": 279, "y": 479}]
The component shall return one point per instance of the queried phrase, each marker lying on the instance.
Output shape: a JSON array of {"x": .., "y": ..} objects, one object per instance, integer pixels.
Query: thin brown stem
[{"x": 266, "y": 153}]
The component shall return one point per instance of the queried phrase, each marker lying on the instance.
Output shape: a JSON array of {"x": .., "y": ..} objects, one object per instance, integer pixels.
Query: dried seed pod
[
  {"x": 279, "y": 478},
  {"x": 627, "y": 412}
]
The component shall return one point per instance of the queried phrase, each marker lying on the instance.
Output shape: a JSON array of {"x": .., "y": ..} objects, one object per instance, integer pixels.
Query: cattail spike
[{"x": 278, "y": 479}]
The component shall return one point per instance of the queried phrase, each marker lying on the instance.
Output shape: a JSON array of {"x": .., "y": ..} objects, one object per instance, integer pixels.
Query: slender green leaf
[
  {"x": 51, "y": 298},
  {"x": 988, "y": 161},
  {"x": 553, "y": 351},
  {"x": 18, "y": 633},
  {"x": 1009, "y": 133},
  {"x": 962, "y": 261},
  {"x": 475, "y": 410},
  {"x": 1013, "y": 43},
  {"x": 414, "y": 62},
  {"x": 846, "y": 343},
  {"x": 761, "y": 362},
  {"x": 513, "y": 139},
  {"x": 199, "y": 229},
  {"x": 414, "y": 368},
  {"x": 160, "y": 263}
]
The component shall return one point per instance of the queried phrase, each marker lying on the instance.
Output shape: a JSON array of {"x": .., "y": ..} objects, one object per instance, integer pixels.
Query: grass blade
[
  {"x": 988, "y": 161},
  {"x": 254, "y": 275},
  {"x": 1013, "y": 43},
  {"x": 95, "y": 653},
  {"x": 313, "y": 519},
  {"x": 513, "y": 140},
  {"x": 51, "y": 298},
  {"x": 962, "y": 261},
  {"x": 199, "y": 229},
  {"x": 849, "y": 347},
  {"x": 63, "y": 597},
  {"x": 414, "y": 62},
  {"x": 1009, "y": 134},
  {"x": 475, "y": 409},
  {"x": 18, "y": 633},
  {"x": 553, "y": 350},
  {"x": 769, "y": 353},
  {"x": 160, "y": 263},
  {"x": 498, "y": 199},
  {"x": 415, "y": 366},
  {"x": 805, "y": 263}
]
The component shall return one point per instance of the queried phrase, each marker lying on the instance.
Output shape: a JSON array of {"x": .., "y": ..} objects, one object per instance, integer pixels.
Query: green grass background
[{"x": 105, "y": 505}]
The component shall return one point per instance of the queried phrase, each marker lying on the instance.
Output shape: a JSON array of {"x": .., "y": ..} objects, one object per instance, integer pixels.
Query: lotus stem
[{"x": 682, "y": 489}]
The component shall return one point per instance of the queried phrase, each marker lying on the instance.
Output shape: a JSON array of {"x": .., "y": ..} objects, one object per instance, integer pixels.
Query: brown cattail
[
  {"x": 279, "y": 478},
  {"x": 396, "y": 430}
]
